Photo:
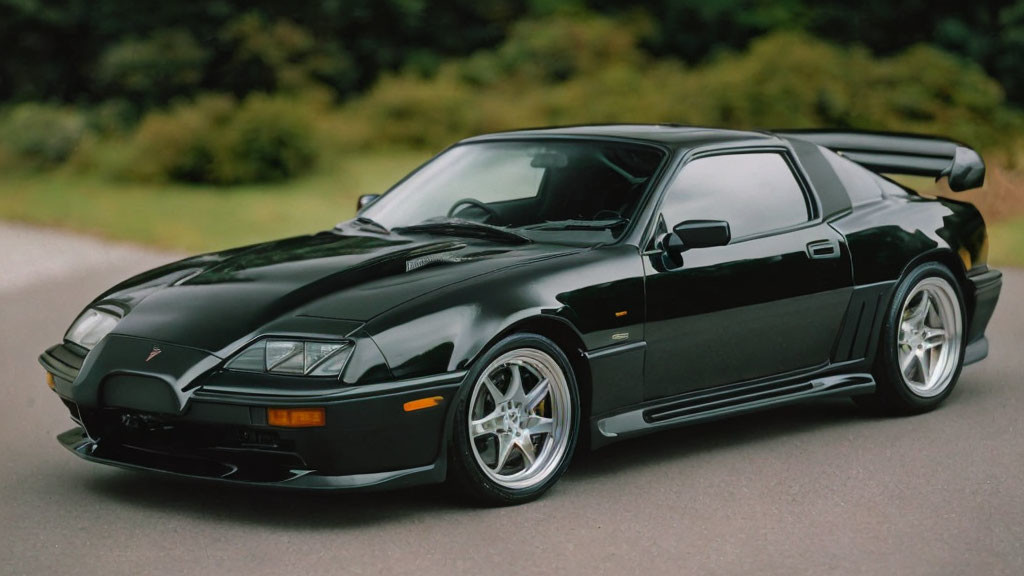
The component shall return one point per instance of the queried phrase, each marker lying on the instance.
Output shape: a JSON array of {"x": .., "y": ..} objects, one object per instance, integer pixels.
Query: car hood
[{"x": 215, "y": 301}]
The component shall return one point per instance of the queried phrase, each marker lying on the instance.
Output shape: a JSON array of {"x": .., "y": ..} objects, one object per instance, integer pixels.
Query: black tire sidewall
[
  {"x": 463, "y": 466},
  {"x": 892, "y": 389}
]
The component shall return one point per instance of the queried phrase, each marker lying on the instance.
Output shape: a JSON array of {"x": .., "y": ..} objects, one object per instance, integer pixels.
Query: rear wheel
[
  {"x": 517, "y": 422},
  {"x": 922, "y": 347}
]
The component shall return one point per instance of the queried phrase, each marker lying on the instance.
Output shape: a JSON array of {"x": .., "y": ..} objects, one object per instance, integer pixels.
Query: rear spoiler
[{"x": 891, "y": 153}]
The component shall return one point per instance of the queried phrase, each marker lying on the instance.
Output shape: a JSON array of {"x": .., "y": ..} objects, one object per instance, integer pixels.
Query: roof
[{"x": 666, "y": 134}]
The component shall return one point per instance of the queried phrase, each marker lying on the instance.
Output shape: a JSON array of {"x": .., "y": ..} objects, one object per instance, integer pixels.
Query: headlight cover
[
  {"x": 90, "y": 327},
  {"x": 293, "y": 357}
]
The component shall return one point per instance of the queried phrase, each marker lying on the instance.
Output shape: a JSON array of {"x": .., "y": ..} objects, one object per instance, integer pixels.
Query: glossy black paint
[
  {"x": 791, "y": 313},
  {"x": 905, "y": 154},
  {"x": 717, "y": 319}
]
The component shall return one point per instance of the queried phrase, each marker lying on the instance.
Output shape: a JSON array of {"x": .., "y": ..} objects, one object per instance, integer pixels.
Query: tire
[
  {"x": 921, "y": 349},
  {"x": 516, "y": 423}
]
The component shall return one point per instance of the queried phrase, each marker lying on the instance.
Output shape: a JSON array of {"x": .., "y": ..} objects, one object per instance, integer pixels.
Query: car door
[{"x": 768, "y": 303}]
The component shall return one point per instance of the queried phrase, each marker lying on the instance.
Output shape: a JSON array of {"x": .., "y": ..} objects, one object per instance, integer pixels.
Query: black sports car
[{"x": 527, "y": 292}]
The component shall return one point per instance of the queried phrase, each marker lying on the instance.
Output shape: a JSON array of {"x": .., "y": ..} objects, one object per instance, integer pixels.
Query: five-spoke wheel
[
  {"x": 929, "y": 336},
  {"x": 921, "y": 348}
]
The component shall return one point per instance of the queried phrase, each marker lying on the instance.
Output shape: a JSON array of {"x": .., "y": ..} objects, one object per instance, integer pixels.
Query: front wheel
[
  {"x": 922, "y": 347},
  {"x": 516, "y": 422}
]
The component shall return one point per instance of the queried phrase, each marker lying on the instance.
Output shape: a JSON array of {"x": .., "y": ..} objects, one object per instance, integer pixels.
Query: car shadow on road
[{"x": 305, "y": 510}]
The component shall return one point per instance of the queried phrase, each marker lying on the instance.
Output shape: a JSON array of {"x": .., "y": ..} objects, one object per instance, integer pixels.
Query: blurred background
[{"x": 202, "y": 125}]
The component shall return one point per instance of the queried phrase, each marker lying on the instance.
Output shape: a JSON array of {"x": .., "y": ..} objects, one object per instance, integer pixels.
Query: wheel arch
[
  {"x": 565, "y": 336},
  {"x": 955, "y": 265}
]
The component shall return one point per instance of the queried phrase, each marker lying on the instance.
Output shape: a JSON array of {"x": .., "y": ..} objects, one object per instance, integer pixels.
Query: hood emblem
[{"x": 153, "y": 354}]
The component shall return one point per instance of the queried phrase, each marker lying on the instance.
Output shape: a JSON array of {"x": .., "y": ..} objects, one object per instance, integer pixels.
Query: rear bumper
[{"x": 985, "y": 288}]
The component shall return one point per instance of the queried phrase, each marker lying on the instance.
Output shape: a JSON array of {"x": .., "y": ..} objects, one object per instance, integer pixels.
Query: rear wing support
[{"x": 892, "y": 153}]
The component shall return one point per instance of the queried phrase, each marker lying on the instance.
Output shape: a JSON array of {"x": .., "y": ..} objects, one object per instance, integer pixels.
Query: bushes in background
[
  {"x": 555, "y": 71},
  {"x": 154, "y": 69},
  {"x": 217, "y": 140},
  {"x": 40, "y": 135},
  {"x": 584, "y": 70}
]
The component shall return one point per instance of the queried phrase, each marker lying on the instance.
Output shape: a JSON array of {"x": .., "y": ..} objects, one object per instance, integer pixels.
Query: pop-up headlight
[{"x": 91, "y": 327}]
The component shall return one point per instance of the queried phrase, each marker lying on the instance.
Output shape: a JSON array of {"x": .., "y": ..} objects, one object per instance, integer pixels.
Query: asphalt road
[{"x": 815, "y": 489}]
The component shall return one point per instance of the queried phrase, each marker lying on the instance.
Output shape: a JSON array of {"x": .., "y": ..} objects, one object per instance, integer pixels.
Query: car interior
[{"x": 588, "y": 184}]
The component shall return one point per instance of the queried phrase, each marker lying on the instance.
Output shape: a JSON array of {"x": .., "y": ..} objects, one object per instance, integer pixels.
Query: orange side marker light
[
  {"x": 50, "y": 382},
  {"x": 422, "y": 403}
]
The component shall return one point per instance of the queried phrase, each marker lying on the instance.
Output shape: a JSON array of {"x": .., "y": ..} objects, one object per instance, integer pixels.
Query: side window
[{"x": 753, "y": 192}]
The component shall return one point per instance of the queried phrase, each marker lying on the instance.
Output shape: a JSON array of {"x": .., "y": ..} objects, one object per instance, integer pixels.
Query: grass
[
  {"x": 1006, "y": 243},
  {"x": 205, "y": 218},
  {"x": 202, "y": 218}
]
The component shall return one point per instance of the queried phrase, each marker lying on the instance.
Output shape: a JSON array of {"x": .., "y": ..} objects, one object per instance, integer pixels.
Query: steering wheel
[{"x": 491, "y": 212}]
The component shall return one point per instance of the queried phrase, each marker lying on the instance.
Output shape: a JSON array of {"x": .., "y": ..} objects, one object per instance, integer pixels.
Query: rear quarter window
[{"x": 862, "y": 185}]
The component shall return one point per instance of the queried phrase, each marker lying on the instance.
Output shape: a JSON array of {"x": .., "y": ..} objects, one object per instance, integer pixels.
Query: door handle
[{"x": 823, "y": 249}]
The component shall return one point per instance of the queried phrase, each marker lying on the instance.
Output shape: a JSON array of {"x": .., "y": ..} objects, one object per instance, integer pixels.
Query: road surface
[{"x": 815, "y": 489}]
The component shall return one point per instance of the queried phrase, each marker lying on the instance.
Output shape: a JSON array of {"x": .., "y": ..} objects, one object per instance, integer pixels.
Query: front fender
[{"x": 598, "y": 292}]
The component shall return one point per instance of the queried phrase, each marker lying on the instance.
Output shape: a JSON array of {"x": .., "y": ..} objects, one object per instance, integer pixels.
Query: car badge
[{"x": 156, "y": 351}]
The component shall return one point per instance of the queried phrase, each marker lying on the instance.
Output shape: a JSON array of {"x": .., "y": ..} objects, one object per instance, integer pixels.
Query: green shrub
[
  {"x": 40, "y": 135},
  {"x": 586, "y": 70},
  {"x": 178, "y": 144},
  {"x": 216, "y": 140},
  {"x": 280, "y": 56},
  {"x": 267, "y": 139},
  {"x": 562, "y": 47},
  {"x": 153, "y": 69}
]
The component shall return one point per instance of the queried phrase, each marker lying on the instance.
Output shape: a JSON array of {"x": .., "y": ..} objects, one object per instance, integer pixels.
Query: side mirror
[
  {"x": 365, "y": 200},
  {"x": 694, "y": 234},
  {"x": 702, "y": 233}
]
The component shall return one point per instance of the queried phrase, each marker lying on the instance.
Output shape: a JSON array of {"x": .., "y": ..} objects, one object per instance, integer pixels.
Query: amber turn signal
[
  {"x": 422, "y": 403},
  {"x": 50, "y": 382},
  {"x": 296, "y": 417}
]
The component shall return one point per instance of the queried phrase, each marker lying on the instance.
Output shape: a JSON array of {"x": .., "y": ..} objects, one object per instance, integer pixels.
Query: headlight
[
  {"x": 91, "y": 327},
  {"x": 293, "y": 357}
]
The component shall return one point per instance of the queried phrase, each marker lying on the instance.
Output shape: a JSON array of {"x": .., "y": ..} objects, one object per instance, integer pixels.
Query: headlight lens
[
  {"x": 293, "y": 357},
  {"x": 91, "y": 327}
]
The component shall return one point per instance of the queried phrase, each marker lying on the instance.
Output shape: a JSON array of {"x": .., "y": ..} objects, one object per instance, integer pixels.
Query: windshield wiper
[
  {"x": 466, "y": 228},
  {"x": 365, "y": 222},
  {"x": 579, "y": 224}
]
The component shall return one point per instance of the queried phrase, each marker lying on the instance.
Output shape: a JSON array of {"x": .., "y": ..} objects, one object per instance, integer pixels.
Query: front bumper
[
  {"x": 368, "y": 440},
  {"x": 247, "y": 471}
]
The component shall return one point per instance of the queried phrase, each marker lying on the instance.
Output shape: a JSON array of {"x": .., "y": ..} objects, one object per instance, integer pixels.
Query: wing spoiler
[{"x": 891, "y": 153}]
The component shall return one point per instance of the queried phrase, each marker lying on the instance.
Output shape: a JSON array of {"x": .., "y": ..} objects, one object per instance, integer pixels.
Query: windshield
[{"x": 547, "y": 190}]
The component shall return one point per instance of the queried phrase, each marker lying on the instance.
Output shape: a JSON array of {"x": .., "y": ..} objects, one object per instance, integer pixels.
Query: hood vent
[
  {"x": 448, "y": 256},
  {"x": 430, "y": 259}
]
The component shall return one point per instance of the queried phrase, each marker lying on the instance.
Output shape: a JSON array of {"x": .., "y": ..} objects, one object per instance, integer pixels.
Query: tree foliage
[
  {"x": 229, "y": 92},
  {"x": 815, "y": 84},
  {"x": 92, "y": 50}
]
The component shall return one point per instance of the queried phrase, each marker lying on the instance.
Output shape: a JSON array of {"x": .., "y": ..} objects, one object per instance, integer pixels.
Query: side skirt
[{"x": 718, "y": 403}]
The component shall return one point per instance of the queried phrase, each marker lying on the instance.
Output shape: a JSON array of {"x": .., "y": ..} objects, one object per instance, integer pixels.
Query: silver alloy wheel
[
  {"x": 520, "y": 417},
  {"x": 931, "y": 326}
]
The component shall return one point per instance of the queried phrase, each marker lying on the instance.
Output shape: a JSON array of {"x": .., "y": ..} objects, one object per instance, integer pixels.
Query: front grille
[
  {"x": 162, "y": 433},
  {"x": 141, "y": 393}
]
